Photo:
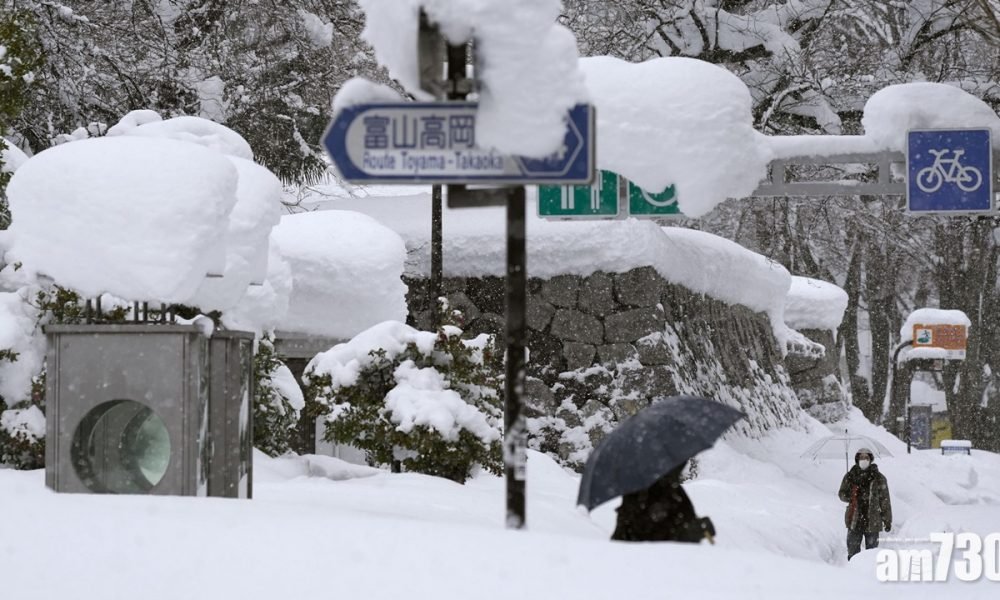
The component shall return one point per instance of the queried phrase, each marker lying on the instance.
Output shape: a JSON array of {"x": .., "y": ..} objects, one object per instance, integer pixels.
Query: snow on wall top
[
  {"x": 474, "y": 246},
  {"x": 189, "y": 129},
  {"x": 891, "y": 111},
  {"x": 931, "y": 316},
  {"x": 677, "y": 121},
  {"x": 527, "y": 63},
  {"x": 814, "y": 304},
  {"x": 346, "y": 273},
  {"x": 134, "y": 217}
]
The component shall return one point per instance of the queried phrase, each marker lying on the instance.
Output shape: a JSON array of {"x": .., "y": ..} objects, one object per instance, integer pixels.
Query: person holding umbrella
[
  {"x": 866, "y": 492},
  {"x": 662, "y": 513},
  {"x": 642, "y": 461}
]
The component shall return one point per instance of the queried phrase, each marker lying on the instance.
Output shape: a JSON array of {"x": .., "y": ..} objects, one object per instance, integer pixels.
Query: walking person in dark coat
[
  {"x": 660, "y": 513},
  {"x": 869, "y": 509}
]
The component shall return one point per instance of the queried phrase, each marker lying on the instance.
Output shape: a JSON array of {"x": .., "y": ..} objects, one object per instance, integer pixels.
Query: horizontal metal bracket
[
  {"x": 460, "y": 196},
  {"x": 777, "y": 185}
]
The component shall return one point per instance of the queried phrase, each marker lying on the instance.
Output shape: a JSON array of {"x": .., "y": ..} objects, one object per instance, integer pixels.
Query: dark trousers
[{"x": 854, "y": 541}]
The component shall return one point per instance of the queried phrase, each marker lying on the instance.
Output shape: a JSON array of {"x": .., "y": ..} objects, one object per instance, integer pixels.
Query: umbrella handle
[{"x": 710, "y": 538}]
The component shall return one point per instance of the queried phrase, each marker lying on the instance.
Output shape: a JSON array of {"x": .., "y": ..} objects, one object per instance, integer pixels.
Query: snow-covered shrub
[
  {"x": 277, "y": 400},
  {"x": 22, "y": 429},
  {"x": 430, "y": 401}
]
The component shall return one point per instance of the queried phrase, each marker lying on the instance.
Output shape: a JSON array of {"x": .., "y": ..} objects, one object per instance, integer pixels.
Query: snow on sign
[
  {"x": 435, "y": 142},
  {"x": 949, "y": 172}
]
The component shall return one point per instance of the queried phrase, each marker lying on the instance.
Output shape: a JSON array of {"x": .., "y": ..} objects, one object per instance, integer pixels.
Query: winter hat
[{"x": 857, "y": 455}]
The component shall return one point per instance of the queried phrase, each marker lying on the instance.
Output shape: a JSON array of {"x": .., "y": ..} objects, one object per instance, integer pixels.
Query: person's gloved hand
[{"x": 888, "y": 526}]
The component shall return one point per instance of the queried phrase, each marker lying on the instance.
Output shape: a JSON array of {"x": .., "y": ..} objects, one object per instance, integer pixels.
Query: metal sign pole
[
  {"x": 515, "y": 434},
  {"x": 430, "y": 50},
  {"x": 456, "y": 87}
]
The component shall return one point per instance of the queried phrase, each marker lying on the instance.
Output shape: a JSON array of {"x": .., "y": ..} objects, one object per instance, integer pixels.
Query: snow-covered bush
[
  {"x": 430, "y": 401},
  {"x": 277, "y": 401},
  {"x": 22, "y": 428}
]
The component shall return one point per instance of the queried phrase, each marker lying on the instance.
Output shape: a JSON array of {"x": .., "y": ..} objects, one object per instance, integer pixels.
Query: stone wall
[
  {"x": 601, "y": 347},
  {"x": 816, "y": 380}
]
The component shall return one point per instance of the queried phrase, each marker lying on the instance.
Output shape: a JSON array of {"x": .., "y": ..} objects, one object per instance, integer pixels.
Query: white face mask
[{"x": 863, "y": 463}]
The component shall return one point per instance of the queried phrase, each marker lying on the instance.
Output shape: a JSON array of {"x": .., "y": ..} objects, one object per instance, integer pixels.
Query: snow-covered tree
[{"x": 266, "y": 69}]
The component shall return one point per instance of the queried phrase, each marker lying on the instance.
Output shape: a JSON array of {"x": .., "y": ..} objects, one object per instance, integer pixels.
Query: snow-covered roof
[
  {"x": 136, "y": 217},
  {"x": 346, "y": 273},
  {"x": 677, "y": 121},
  {"x": 527, "y": 63},
  {"x": 814, "y": 304}
]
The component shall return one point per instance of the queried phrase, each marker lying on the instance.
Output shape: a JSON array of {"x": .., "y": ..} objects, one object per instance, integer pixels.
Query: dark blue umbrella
[{"x": 651, "y": 443}]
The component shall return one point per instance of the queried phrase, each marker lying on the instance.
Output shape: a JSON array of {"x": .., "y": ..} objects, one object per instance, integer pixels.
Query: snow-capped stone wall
[
  {"x": 815, "y": 309},
  {"x": 817, "y": 381},
  {"x": 602, "y": 346}
]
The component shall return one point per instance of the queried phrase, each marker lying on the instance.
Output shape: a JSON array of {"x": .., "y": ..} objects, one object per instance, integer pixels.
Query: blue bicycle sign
[{"x": 949, "y": 172}]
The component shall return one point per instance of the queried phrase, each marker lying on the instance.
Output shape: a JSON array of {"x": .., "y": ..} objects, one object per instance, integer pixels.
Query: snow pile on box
[
  {"x": 814, "y": 304},
  {"x": 134, "y": 217},
  {"x": 929, "y": 316},
  {"x": 527, "y": 63},
  {"x": 893, "y": 110},
  {"x": 257, "y": 211},
  {"x": 147, "y": 123},
  {"x": 346, "y": 271},
  {"x": 264, "y": 306},
  {"x": 677, "y": 121}
]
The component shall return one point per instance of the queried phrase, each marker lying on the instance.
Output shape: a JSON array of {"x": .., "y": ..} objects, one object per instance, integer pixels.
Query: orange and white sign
[{"x": 951, "y": 338}]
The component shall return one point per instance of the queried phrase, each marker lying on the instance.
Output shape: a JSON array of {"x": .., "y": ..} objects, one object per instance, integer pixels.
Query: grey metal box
[
  {"x": 127, "y": 409},
  {"x": 231, "y": 414}
]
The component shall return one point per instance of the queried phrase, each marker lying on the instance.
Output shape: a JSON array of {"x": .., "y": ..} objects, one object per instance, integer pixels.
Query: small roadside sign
[
  {"x": 643, "y": 203},
  {"x": 949, "y": 172},
  {"x": 950, "y": 338},
  {"x": 597, "y": 200},
  {"x": 611, "y": 196},
  {"x": 435, "y": 142}
]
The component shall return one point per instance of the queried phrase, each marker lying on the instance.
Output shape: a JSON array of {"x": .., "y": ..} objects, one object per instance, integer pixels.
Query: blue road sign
[
  {"x": 435, "y": 142},
  {"x": 949, "y": 172}
]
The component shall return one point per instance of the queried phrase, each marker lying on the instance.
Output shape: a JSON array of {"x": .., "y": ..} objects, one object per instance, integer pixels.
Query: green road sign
[
  {"x": 643, "y": 203},
  {"x": 580, "y": 201}
]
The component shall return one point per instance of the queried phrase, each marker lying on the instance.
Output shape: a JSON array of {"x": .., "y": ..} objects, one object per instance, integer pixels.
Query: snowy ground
[{"x": 318, "y": 526}]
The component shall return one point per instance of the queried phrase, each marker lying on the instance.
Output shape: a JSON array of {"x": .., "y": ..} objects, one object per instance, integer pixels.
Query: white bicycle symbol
[{"x": 948, "y": 170}]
